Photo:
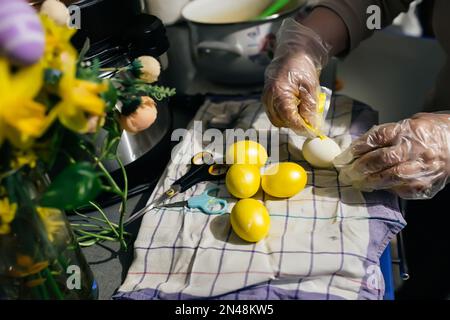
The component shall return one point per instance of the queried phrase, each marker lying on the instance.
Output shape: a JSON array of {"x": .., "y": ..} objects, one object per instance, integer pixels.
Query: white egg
[{"x": 320, "y": 153}]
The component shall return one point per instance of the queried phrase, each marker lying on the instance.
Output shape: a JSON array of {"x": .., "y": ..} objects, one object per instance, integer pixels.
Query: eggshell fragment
[{"x": 320, "y": 153}]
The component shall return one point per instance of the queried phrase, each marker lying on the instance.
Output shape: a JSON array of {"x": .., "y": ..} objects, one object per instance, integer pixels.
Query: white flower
[
  {"x": 57, "y": 11},
  {"x": 151, "y": 69}
]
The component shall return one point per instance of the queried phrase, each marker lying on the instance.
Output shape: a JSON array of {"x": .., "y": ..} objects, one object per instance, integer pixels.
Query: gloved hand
[
  {"x": 292, "y": 79},
  {"x": 410, "y": 158}
]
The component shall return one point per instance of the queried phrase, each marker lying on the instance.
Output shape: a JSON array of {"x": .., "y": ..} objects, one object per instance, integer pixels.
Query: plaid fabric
[{"x": 324, "y": 243}]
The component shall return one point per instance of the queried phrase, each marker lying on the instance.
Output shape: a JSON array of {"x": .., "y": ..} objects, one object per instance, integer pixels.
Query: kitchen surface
[{"x": 221, "y": 150}]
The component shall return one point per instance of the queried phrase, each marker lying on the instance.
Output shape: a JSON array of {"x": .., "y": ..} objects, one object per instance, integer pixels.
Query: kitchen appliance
[
  {"x": 169, "y": 11},
  {"x": 118, "y": 33},
  {"x": 229, "y": 45}
]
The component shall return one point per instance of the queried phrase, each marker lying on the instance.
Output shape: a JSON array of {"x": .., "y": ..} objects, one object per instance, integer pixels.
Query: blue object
[
  {"x": 386, "y": 269},
  {"x": 206, "y": 203}
]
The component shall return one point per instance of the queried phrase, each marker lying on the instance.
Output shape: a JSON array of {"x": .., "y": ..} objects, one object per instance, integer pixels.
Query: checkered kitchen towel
[{"x": 324, "y": 243}]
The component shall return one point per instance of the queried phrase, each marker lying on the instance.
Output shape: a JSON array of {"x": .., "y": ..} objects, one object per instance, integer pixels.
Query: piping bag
[{"x": 323, "y": 105}]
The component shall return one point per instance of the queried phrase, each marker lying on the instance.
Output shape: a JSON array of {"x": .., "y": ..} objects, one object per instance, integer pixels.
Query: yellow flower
[
  {"x": 23, "y": 158},
  {"x": 52, "y": 219},
  {"x": 21, "y": 118},
  {"x": 79, "y": 99},
  {"x": 26, "y": 267},
  {"x": 57, "y": 43},
  {"x": 7, "y": 214}
]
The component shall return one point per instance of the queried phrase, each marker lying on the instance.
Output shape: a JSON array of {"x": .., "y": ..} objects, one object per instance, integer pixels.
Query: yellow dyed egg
[
  {"x": 284, "y": 180},
  {"x": 250, "y": 220},
  {"x": 243, "y": 180},
  {"x": 246, "y": 152}
]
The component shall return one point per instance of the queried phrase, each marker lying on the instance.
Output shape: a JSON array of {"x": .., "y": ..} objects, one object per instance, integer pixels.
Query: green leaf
[
  {"x": 110, "y": 97},
  {"x": 157, "y": 92},
  {"x": 90, "y": 73},
  {"x": 75, "y": 186},
  {"x": 84, "y": 50},
  {"x": 135, "y": 68},
  {"x": 110, "y": 144},
  {"x": 130, "y": 105}
]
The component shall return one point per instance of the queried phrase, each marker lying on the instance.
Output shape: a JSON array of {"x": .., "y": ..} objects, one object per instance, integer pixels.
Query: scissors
[
  {"x": 203, "y": 168},
  {"x": 204, "y": 202}
]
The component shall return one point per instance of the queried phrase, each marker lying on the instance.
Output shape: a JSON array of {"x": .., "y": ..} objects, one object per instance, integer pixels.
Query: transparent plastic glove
[
  {"x": 292, "y": 79},
  {"x": 410, "y": 158}
]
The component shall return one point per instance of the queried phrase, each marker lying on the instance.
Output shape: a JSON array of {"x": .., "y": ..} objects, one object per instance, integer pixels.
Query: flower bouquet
[{"x": 51, "y": 113}]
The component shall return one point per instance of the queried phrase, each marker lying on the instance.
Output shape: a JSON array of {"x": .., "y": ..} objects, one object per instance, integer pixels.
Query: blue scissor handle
[{"x": 205, "y": 202}]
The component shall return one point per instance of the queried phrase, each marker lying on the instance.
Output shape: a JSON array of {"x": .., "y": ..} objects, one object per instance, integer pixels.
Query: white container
[{"x": 169, "y": 11}]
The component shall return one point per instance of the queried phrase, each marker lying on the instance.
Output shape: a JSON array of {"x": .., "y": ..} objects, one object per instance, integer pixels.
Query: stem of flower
[
  {"x": 53, "y": 284},
  {"x": 109, "y": 178},
  {"x": 94, "y": 218},
  {"x": 96, "y": 235},
  {"x": 123, "y": 206},
  {"x": 103, "y": 233},
  {"x": 113, "y": 229},
  {"x": 87, "y": 225},
  {"x": 43, "y": 290},
  {"x": 117, "y": 70}
]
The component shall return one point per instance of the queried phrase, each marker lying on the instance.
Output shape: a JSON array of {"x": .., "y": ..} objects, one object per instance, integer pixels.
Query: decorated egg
[
  {"x": 246, "y": 152},
  {"x": 243, "y": 180},
  {"x": 284, "y": 180},
  {"x": 320, "y": 152},
  {"x": 250, "y": 220},
  {"x": 22, "y": 38}
]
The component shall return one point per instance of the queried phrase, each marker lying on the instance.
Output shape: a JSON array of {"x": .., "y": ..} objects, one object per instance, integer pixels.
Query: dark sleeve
[{"x": 354, "y": 14}]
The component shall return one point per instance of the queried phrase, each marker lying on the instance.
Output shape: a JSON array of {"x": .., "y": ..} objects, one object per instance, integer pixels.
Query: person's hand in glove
[
  {"x": 410, "y": 158},
  {"x": 292, "y": 79}
]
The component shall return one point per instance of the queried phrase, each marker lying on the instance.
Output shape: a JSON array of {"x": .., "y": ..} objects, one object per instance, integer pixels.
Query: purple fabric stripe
[
  {"x": 188, "y": 278},
  {"x": 311, "y": 265},
  {"x": 146, "y": 264},
  {"x": 385, "y": 218},
  {"x": 220, "y": 261},
  {"x": 341, "y": 234},
  {"x": 252, "y": 293},
  {"x": 256, "y": 251},
  {"x": 172, "y": 258},
  {"x": 286, "y": 220},
  {"x": 381, "y": 232}
]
